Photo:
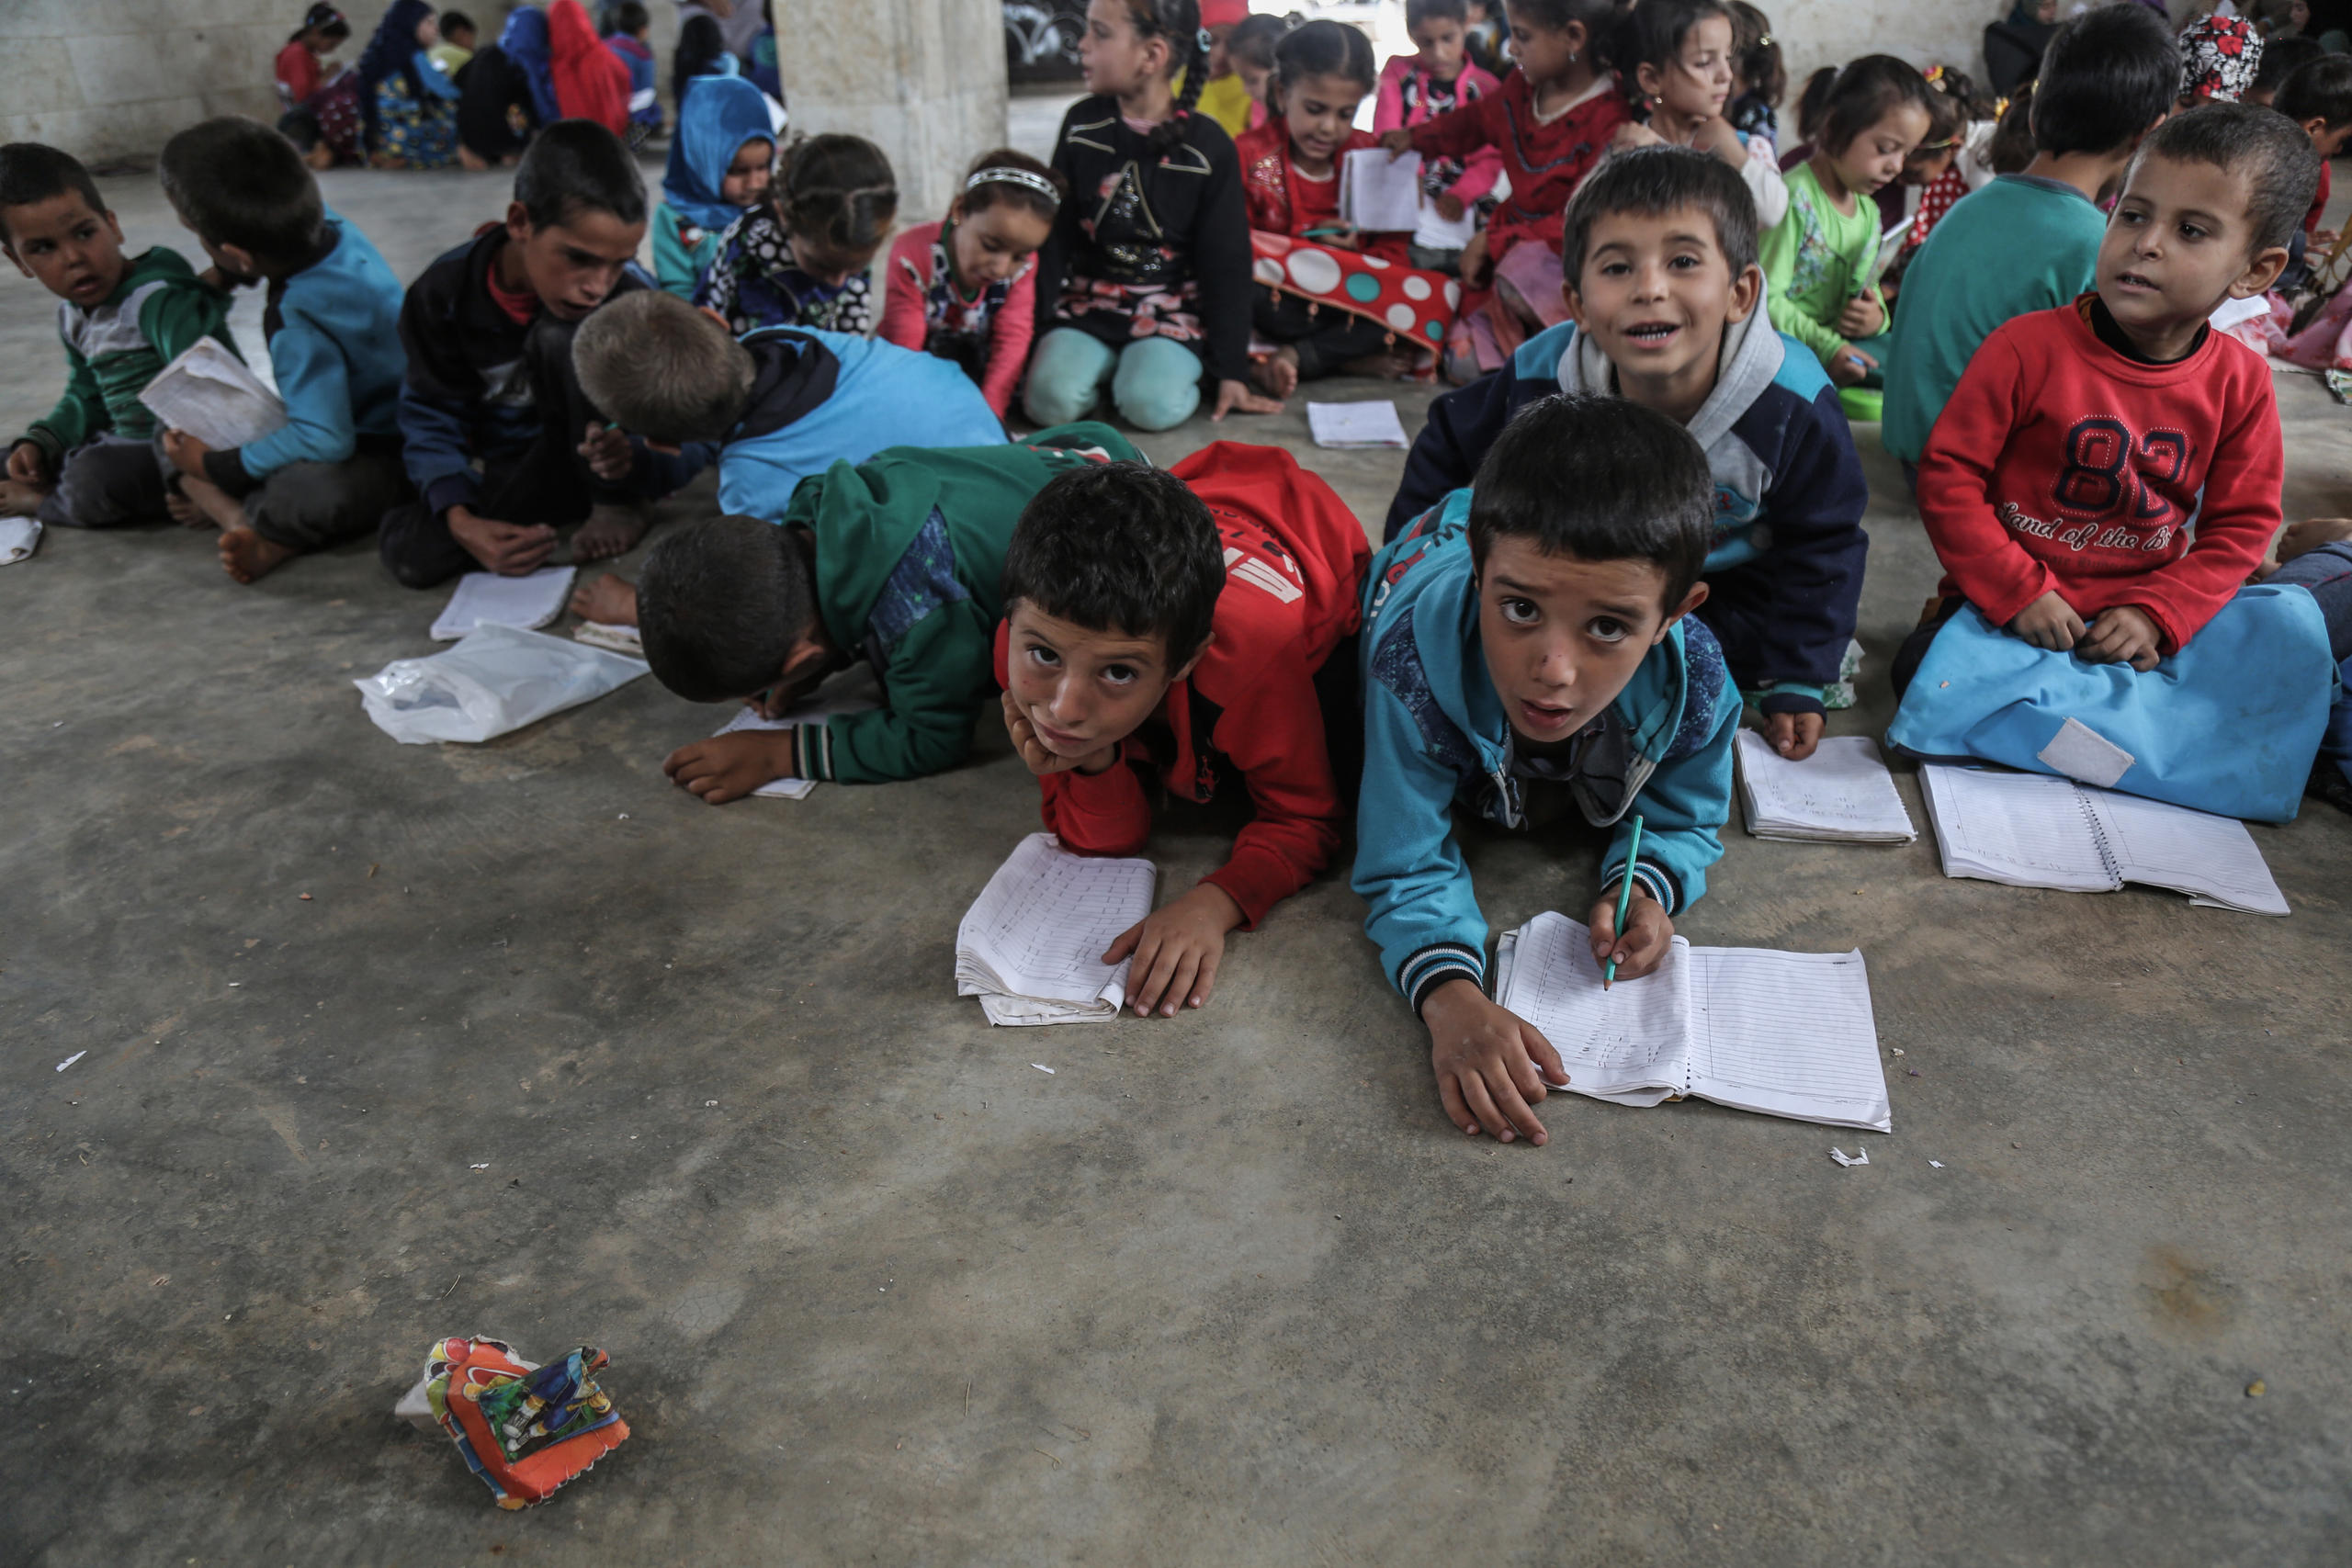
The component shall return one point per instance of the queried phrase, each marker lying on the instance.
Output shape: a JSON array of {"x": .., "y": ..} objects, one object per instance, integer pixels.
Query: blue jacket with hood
[
  {"x": 1436, "y": 739},
  {"x": 1786, "y": 570}
]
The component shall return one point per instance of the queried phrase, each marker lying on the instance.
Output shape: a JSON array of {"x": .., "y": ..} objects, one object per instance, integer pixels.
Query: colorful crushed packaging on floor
[{"x": 525, "y": 1430}]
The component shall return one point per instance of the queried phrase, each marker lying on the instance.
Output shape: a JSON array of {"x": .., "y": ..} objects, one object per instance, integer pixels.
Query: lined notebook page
[
  {"x": 1842, "y": 791},
  {"x": 1632, "y": 1036},
  {"x": 486, "y": 599},
  {"x": 2210, "y": 858},
  {"x": 1040, "y": 926},
  {"x": 2028, "y": 830},
  {"x": 1788, "y": 1034},
  {"x": 1381, "y": 194},
  {"x": 209, "y": 392}
]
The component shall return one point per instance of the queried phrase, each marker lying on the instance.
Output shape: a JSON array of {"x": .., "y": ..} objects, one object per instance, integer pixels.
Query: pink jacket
[
  {"x": 1481, "y": 169},
  {"x": 911, "y": 287}
]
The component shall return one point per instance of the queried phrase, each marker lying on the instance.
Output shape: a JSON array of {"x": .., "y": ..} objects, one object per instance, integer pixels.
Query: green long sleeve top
[
  {"x": 115, "y": 347},
  {"x": 1814, "y": 260}
]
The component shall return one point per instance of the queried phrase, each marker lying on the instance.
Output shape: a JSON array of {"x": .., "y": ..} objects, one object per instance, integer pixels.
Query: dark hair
[
  {"x": 837, "y": 187},
  {"x": 2012, "y": 147},
  {"x": 2281, "y": 58},
  {"x": 452, "y": 21},
  {"x": 1653, "y": 33},
  {"x": 987, "y": 193},
  {"x": 1813, "y": 101},
  {"x": 236, "y": 182},
  {"x": 701, "y": 45},
  {"x": 575, "y": 165},
  {"x": 1597, "y": 18},
  {"x": 1120, "y": 547},
  {"x": 2265, "y": 155},
  {"x": 2107, "y": 76},
  {"x": 1760, "y": 70},
  {"x": 2320, "y": 90},
  {"x": 626, "y": 19},
  {"x": 1652, "y": 182},
  {"x": 1178, "y": 22},
  {"x": 1947, "y": 120},
  {"x": 1419, "y": 11},
  {"x": 33, "y": 171},
  {"x": 1866, "y": 92},
  {"x": 1252, "y": 41},
  {"x": 1324, "y": 49},
  {"x": 325, "y": 20},
  {"x": 720, "y": 603},
  {"x": 1599, "y": 479},
  {"x": 655, "y": 366}
]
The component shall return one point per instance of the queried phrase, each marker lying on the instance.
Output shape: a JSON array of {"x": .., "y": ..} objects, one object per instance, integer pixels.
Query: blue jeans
[
  {"x": 2326, "y": 572},
  {"x": 1155, "y": 382}
]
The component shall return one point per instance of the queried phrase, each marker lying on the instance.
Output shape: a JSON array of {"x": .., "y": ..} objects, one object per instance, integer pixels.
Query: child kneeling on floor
[
  {"x": 1187, "y": 625},
  {"x": 333, "y": 469},
  {"x": 1664, "y": 294},
  {"x": 1527, "y": 651}
]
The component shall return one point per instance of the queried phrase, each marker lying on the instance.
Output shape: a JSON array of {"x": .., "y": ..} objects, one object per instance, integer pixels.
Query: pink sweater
[
  {"x": 1404, "y": 78},
  {"x": 916, "y": 297}
]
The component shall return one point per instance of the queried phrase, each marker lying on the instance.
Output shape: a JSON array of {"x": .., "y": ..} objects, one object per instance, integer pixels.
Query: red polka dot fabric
[{"x": 1417, "y": 306}]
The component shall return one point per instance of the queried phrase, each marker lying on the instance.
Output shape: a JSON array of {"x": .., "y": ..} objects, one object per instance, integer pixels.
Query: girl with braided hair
[
  {"x": 800, "y": 258},
  {"x": 1144, "y": 283}
]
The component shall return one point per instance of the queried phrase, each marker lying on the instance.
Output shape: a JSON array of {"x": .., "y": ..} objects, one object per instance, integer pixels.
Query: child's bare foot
[
  {"x": 18, "y": 499},
  {"x": 200, "y": 504},
  {"x": 1277, "y": 374},
  {"x": 611, "y": 600},
  {"x": 247, "y": 557},
  {"x": 2302, "y": 538},
  {"x": 610, "y": 531},
  {"x": 185, "y": 512}
]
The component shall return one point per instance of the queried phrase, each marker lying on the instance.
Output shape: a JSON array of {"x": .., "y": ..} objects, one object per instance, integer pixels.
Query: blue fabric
[
  {"x": 336, "y": 357},
  {"x": 1155, "y": 382},
  {"x": 884, "y": 396},
  {"x": 2336, "y": 747},
  {"x": 428, "y": 74},
  {"x": 392, "y": 49},
  {"x": 2229, "y": 725},
  {"x": 1436, "y": 740},
  {"x": 720, "y": 115},
  {"x": 923, "y": 582},
  {"x": 524, "y": 42}
]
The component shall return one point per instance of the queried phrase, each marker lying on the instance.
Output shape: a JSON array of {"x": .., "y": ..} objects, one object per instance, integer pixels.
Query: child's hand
[
  {"x": 2049, "y": 622},
  {"x": 510, "y": 550},
  {"x": 729, "y": 767},
  {"x": 610, "y": 456},
  {"x": 1474, "y": 269},
  {"x": 1398, "y": 142},
  {"x": 1449, "y": 207},
  {"x": 1177, "y": 950},
  {"x": 1648, "y": 931},
  {"x": 2126, "y": 634},
  {"x": 1492, "y": 1065},
  {"x": 1346, "y": 239},
  {"x": 1715, "y": 135},
  {"x": 1851, "y": 366},
  {"x": 1232, "y": 395},
  {"x": 28, "y": 464},
  {"x": 1862, "y": 317},
  {"x": 1794, "y": 735},
  {"x": 1635, "y": 134},
  {"x": 1041, "y": 761},
  {"x": 185, "y": 452}
]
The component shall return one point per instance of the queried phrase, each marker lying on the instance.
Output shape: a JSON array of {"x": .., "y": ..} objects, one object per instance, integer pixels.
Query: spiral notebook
[
  {"x": 1783, "y": 1033},
  {"x": 1842, "y": 793},
  {"x": 2037, "y": 831},
  {"x": 1031, "y": 946}
]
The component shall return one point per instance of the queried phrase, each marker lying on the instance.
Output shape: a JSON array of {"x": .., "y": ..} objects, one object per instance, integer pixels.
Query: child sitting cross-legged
[
  {"x": 93, "y": 460},
  {"x": 965, "y": 289},
  {"x": 1187, "y": 625},
  {"x": 333, "y": 468},
  {"x": 800, "y": 258},
  {"x": 1664, "y": 294},
  {"x": 1527, "y": 651}
]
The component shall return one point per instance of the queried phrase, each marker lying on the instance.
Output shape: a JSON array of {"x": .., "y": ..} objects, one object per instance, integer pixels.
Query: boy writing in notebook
[
  {"x": 2107, "y": 474},
  {"x": 1529, "y": 649},
  {"x": 1179, "y": 625},
  {"x": 92, "y": 462},
  {"x": 502, "y": 446},
  {"x": 333, "y": 469},
  {"x": 1662, "y": 289}
]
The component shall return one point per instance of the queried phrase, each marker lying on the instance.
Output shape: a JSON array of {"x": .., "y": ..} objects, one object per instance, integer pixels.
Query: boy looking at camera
[
  {"x": 1180, "y": 624},
  {"x": 1529, "y": 649}
]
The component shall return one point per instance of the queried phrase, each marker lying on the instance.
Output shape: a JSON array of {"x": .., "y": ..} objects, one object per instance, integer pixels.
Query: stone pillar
[{"x": 922, "y": 79}]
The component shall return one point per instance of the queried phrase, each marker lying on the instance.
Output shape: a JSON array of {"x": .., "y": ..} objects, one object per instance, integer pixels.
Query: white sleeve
[{"x": 1763, "y": 173}]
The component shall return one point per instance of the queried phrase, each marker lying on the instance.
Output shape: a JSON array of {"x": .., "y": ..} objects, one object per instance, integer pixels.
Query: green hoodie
[{"x": 116, "y": 348}]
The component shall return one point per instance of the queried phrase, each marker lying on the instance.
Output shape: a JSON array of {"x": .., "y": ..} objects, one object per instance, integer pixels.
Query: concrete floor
[{"x": 878, "y": 1289}]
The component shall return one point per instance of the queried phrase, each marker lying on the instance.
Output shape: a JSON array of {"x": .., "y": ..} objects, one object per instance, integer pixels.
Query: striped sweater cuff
[
  {"x": 812, "y": 752},
  {"x": 1433, "y": 966},
  {"x": 1654, "y": 880}
]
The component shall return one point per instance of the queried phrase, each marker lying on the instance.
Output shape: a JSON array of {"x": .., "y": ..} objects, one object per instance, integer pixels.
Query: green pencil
[{"x": 1624, "y": 899}]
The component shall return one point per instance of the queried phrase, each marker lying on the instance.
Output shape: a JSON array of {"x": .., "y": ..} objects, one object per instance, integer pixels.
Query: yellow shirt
[{"x": 1226, "y": 100}]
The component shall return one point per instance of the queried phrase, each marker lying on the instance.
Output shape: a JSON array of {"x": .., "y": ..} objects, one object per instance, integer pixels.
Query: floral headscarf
[{"x": 2219, "y": 56}]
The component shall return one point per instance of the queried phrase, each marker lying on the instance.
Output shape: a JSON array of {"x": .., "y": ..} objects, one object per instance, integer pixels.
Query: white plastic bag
[{"x": 496, "y": 679}]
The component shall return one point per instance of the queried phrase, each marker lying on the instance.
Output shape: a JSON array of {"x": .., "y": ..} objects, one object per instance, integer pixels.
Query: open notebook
[
  {"x": 486, "y": 599},
  {"x": 853, "y": 690},
  {"x": 208, "y": 392},
  {"x": 1379, "y": 193},
  {"x": 1030, "y": 945},
  {"x": 2036, "y": 830},
  {"x": 1842, "y": 793},
  {"x": 1785, "y": 1033}
]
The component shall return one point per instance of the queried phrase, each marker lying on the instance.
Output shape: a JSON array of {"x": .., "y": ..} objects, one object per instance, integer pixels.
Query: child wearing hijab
[
  {"x": 409, "y": 103},
  {"x": 2218, "y": 59},
  {"x": 590, "y": 80},
  {"x": 718, "y": 171}
]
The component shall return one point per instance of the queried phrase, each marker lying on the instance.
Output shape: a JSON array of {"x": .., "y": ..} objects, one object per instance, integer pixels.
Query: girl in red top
[
  {"x": 301, "y": 63},
  {"x": 965, "y": 288}
]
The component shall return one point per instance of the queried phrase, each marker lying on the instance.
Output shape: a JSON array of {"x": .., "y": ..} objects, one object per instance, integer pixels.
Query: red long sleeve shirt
[
  {"x": 1545, "y": 161},
  {"x": 1295, "y": 561},
  {"x": 2061, "y": 465}
]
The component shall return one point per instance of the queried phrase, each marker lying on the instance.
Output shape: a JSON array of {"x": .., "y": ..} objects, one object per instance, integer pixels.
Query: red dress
[{"x": 1546, "y": 161}]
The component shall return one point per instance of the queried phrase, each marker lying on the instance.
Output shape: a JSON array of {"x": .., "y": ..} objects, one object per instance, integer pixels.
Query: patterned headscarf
[{"x": 2219, "y": 56}]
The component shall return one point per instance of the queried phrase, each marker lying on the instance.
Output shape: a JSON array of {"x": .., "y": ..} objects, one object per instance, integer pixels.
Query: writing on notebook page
[{"x": 1610, "y": 1031}]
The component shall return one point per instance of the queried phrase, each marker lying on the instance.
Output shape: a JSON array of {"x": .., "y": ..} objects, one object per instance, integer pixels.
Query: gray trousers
[
  {"x": 108, "y": 481},
  {"x": 309, "y": 506}
]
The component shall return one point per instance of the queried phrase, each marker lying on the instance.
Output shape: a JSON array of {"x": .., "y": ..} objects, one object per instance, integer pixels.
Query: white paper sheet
[
  {"x": 19, "y": 537},
  {"x": 1032, "y": 944},
  {"x": 606, "y": 633},
  {"x": 1372, "y": 423},
  {"x": 1434, "y": 233},
  {"x": 1380, "y": 193},
  {"x": 1787, "y": 1034},
  {"x": 1629, "y": 1040},
  {"x": 853, "y": 690},
  {"x": 1842, "y": 793},
  {"x": 486, "y": 599},
  {"x": 2027, "y": 830},
  {"x": 2212, "y": 859},
  {"x": 208, "y": 392}
]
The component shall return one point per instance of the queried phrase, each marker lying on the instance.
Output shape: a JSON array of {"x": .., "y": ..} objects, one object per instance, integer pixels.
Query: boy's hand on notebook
[
  {"x": 1492, "y": 1065},
  {"x": 729, "y": 767},
  {"x": 510, "y": 550},
  {"x": 2127, "y": 635},
  {"x": 1862, "y": 317},
  {"x": 2049, "y": 622},
  {"x": 1177, "y": 950},
  {"x": 1794, "y": 735},
  {"x": 184, "y": 452},
  {"x": 610, "y": 456},
  {"x": 1649, "y": 930},
  {"x": 28, "y": 464}
]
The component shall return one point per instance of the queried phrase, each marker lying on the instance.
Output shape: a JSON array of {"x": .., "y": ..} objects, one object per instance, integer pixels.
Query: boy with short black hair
[
  {"x": 333, "y": 469},
  {"x": 1662, "y": 287},
  {"x": 894, "y": 561},
  {"x": 501, "y": 444},
  {"x": 1182, "y": 624},
  {"x": 2029, "y": 241},
  {"x": 92, "y": 461},
  {"x": 2318, "y": 97},
  {"x": 1529, "y": 649}
]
